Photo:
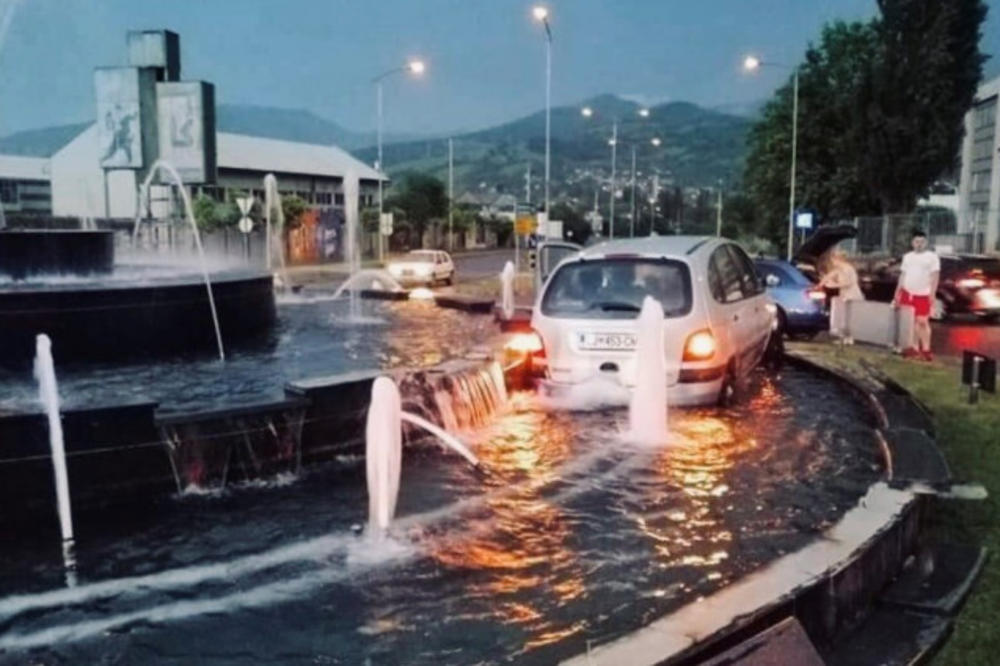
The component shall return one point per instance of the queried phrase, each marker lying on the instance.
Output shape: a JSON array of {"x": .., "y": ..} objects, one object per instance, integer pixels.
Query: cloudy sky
[{"x": 485, "y": 57}]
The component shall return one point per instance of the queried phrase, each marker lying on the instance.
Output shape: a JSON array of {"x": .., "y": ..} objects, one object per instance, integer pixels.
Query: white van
[{"x": 718, "y": 318}]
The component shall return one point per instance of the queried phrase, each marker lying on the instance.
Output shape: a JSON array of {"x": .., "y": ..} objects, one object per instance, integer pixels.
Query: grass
[{"x": 969, "y": 437}]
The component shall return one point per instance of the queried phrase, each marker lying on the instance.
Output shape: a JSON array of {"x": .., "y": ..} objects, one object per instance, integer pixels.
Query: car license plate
[{"x": 607, "y": 341}]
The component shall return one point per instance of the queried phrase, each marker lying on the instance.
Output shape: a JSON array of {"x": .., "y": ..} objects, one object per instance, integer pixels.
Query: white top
[{"x": 917, "y": 269}]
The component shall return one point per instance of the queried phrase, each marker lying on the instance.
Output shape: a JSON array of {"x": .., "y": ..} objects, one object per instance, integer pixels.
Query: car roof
[{"x": 650, "y": 246}]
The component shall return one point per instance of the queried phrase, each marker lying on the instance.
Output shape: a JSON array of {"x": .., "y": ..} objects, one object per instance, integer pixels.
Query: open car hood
[{"x": 822, "y": 240}]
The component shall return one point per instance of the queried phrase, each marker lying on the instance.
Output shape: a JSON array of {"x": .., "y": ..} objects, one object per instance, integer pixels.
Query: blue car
[{"x": 801, "y": 304}]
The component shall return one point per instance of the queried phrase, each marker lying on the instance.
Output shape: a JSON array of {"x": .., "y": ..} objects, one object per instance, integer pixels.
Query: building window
[
  {"x": 324, "y": 198},
  {"x": 8, "y": 191},
  {"x": 338, "y": 199}
]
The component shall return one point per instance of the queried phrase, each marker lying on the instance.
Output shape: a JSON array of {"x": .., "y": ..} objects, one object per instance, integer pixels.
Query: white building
[
  {"x": 979, "y": 190},
  {"x": 80, "y": 188},
  {"x": 24, "y": 185}
]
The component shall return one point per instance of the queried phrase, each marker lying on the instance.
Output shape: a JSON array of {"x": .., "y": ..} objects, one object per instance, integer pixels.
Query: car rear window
[
  {"x": 615, "y": 288},
  {"x": 425, "y": 256}
]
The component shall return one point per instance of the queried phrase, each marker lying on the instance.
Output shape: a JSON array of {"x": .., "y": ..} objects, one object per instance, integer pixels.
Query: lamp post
[
  {"x": 588, "y": 112},
  {"x": 541, "y": 13},
  {"x": 415, "y": 67},
  {"x": 752, "y": 64}
]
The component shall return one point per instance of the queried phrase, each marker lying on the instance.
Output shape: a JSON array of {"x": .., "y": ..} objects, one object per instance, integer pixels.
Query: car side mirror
[{"x": 772, "y": 280}]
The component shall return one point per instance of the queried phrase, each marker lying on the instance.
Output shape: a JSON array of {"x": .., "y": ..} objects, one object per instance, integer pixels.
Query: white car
[
  {"x": 718, "y": 318},
  {"x": 423, "y": 267}
]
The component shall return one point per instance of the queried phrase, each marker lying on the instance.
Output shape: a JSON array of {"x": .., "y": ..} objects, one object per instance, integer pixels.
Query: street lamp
[
  {"x": 416, "y": 67},
  {"x": 752, "y": 64},
  {"x": 541, "y": 13},
  {"x": 588, "y": 112}
]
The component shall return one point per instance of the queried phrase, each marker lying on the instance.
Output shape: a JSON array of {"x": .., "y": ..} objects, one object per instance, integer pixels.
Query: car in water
[
  {"x": 802, "y": 305},
  {"x": 425, "y": 267},
  {"x": 718, "y": 317},
  {"x": 969, "y": 284}
]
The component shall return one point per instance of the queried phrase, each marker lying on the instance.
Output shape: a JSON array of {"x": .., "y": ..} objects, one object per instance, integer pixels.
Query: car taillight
[
  {"x": 700, "y": 346},
  {"x": 971, "y": 283},
  {"x": 527, "y": 343},
  {"x": 816, "y": 294}
]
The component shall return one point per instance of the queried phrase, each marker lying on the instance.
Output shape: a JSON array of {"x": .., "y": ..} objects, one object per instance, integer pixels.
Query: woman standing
[{"x": 838, "y": 273}]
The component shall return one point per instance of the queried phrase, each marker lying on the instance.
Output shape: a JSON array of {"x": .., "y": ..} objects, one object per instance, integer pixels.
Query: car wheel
[
  {"x": 729, "y": 393},
  {"x": 450, "y": 280},
  {"x": 782, "y": 322},
  {"x": 939, "y": 311}
]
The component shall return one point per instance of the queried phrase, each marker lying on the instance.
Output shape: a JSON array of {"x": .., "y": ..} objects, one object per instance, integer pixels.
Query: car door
[
  {"x": 758, "y": 325},
  {"x": 732, "y": 316}
]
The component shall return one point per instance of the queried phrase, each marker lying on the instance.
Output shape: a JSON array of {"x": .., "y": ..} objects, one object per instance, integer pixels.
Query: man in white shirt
[{"x": 917, "y": 287}]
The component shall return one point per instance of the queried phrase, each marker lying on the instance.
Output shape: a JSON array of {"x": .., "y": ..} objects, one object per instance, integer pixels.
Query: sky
[{"x": 485, "y": 58}]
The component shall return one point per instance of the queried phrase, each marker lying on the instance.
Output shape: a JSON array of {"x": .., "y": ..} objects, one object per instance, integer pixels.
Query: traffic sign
[
  {"x": 804, "y": 220},
  {"x": 245, "y": 204},
  {"x": 525, "y": 225},
  {"x": 246, "y": 225}
]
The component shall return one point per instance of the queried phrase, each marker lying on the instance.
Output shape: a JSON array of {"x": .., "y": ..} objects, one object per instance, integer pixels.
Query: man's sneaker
[
  {"x": 927, "y": 356},
  {"x": 911, "y": 352}
]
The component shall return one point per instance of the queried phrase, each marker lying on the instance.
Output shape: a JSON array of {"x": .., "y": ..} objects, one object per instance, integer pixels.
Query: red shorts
[{"x": 921, "y": 304}]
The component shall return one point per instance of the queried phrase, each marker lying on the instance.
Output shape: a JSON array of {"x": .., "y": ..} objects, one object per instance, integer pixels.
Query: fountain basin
[
  {"x": 26, "y": 253},
  {"x": 112, "y": 318}
]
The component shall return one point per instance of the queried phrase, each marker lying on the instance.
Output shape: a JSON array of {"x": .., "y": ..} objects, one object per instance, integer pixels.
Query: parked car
[
  {"x": 718, "y": 316},
  {"x": 969, "y": 283},
  {"x": 423, "y": 267},
  {"x": 802, "y": 306}
]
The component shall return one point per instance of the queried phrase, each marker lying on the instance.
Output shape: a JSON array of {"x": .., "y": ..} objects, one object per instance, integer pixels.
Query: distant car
[
  {"x": 969, "y": 284},
  {"x": 427, "y": 267},
  {"x": 718, "y": 318},
  {"x": 802, "y": 304}
]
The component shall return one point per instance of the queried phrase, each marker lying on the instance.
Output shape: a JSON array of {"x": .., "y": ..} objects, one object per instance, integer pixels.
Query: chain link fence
[{"x": 889, "y": 235}]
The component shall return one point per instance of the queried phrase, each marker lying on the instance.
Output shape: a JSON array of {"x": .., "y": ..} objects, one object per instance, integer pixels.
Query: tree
[
  {"x": 212, "y": 215},
  {"x": 881, "y": 108},
  {"x": 292, "y": 207},
  {"x": 917, "y": 95},
  {"x": 421, "y": 198},
  {"x": 575, "y": 228}
]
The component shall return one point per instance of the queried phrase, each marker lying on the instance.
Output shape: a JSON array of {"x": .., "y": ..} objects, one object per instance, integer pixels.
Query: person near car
[
  {"x": 917, "y": 287},
  {"x": 840, "y": 274}
]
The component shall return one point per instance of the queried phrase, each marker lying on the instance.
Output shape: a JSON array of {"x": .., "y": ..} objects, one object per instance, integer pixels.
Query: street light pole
[
  {"x": 751, "y": 64},
  {"x": 414, "y": 67},
  {"x": 451, "y": 194},
  {"x": 541, "y": 13},
  {"x": 718, "y": 213},
  {"x": 614, "y": 159},
  {"x": 631, "y": 220}
]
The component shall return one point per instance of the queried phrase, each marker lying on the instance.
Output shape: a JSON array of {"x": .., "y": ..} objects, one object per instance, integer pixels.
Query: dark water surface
[{"x": 572, "y": 535}]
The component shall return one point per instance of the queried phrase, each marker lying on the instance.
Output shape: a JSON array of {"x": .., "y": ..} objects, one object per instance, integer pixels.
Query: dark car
[
  {"x": 970, "y": 283},
  {"x": 802, "y": 305}
]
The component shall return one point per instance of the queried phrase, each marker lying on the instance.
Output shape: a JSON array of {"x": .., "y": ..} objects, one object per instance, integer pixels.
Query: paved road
[
  {"x": 482, "y": 264},
  {"x": 951, "y": 337}
]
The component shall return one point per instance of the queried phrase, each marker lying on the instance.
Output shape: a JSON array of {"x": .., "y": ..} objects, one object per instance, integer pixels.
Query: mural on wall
[
  {"x": 183, "y": 127},
  {"x": 119, "y": 133},
  {"x": 331, "y": 224}
]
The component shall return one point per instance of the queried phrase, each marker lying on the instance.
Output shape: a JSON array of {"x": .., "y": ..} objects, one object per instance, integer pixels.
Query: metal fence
[{"x": 889, "y": 235}]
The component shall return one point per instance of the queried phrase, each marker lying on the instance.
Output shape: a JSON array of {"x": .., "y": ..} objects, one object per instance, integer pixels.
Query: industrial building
[{"x": 979, "y": 191}]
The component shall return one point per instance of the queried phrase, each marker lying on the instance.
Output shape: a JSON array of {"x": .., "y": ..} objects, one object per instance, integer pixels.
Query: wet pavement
[{"x": 951, "y": 337}]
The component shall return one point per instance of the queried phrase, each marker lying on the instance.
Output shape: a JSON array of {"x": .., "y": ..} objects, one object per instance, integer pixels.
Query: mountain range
[{"x": 698, "y": 146}]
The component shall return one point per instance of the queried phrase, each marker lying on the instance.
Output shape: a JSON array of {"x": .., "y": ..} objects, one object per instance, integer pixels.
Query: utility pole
[
  {"x": 527, "y": 185},
  {"x": 718, "y": 213},
  {"x": 631, "y": 219},
  {"x": 614, "y": 158},
  {"x": 451, "y": 194}
]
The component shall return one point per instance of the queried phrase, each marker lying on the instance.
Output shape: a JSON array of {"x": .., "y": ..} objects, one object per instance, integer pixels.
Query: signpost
[
  {"x": 245, "y": 224},
  {"x": 384, "y": 230},
  {"x": 979, "y": 372}
]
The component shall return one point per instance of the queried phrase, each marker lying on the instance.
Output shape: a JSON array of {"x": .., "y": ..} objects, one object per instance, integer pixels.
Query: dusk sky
[{"x": 485, "y": 58}]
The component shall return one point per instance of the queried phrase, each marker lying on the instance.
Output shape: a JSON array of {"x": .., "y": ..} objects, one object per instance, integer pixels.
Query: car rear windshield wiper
[{"x": 608, "y": 306}]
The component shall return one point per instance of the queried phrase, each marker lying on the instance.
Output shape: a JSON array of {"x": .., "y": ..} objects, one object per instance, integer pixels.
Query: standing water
[
  {"x": 507, "y": 291},
  {"x": 48, "y": 395},
  {"x": 647, "y": 410}
]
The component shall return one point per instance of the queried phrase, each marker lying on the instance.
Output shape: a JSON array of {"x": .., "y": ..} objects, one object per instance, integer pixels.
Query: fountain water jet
[
  {"x": 48, "y": 395},
  {"x": 272, "y": 202},
  {"x": 647, "y": 410},
  {"x": 352, "y": 220},
  {"x": 507, "y": 291},
  {"x": 375, "y": 274},
  {"x": 189, "y": 213}
]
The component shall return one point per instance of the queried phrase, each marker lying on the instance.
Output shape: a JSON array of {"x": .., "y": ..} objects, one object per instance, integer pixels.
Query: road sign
[
  {"x": 525, "y": 225},
  {"x": 246, "y": 225},
  {"x": 385, "y": 224},
  {"x": 804, "y": 220},
  {"x": 245, "y": 204}
]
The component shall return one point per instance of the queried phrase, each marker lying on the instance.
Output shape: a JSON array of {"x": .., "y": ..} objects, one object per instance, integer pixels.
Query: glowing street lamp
[
  {"x": 655, "y": 141},
  {"x": 541, "y": 14},
  {"x": 416, "y": 67},
  {"x": 752, "y": 64}
]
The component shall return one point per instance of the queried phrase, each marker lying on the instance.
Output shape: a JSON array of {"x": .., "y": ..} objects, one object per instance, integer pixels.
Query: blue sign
[{"x": 804, "y": 220}]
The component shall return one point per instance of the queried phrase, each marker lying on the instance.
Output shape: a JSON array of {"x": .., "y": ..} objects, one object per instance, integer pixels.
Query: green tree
[
  {"x": 292, "y": 207},
  {"x": 422, "y": 198},
  {"x": 575, "y": 228}
]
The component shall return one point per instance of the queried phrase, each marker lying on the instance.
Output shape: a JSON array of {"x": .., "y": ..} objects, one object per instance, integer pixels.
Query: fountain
[
  {"x": 163, "y": 165},
  {"x": 48, "y": 395},
  {"x": 507, "y": 291},
  {"x": 272, "y": 203},
  {"x": 647, "y": 410}
]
